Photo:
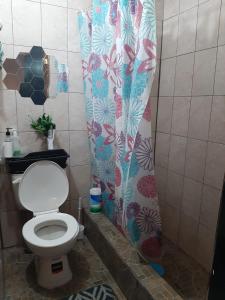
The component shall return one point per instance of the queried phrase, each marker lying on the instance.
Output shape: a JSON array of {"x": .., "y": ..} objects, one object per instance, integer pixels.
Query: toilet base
[{"x": 52, "y": 272}]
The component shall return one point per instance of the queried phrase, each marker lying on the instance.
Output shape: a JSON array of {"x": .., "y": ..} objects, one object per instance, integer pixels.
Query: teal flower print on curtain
[{"x": 118, "y": 49}]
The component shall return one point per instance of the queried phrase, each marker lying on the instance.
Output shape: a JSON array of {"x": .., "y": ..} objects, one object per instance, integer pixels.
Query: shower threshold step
[{"x": 137, "y": 281}]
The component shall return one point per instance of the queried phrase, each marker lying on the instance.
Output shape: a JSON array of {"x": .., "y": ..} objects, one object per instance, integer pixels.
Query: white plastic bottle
[
  {"x": 16, "y": 143},
  {"x": 8, "y": 145},
  {"x": 95, "y": 200}
]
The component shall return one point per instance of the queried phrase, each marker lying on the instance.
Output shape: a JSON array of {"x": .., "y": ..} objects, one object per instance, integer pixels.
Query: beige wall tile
[
  {"x": 26, "y": 32},
  {"x": 7, "y": 202},
  {"x": 184, "y": 4},
  {"x": 154, "y": 108},
  {"x": 54, "y": 33},
  {"x": 77, "y": 4},
  {"x": 170, "y": 32},
  {"x": 174, "y": 189},
  {"x": 73, "y": 31},
  {"x": 79, "y": 182},
  {"x": 170, "y": 221},
  {"x": 205, "y": 245},
  {"x": 77, "y": 115},
  {"x": 184, "y": 75},
  {"x": 171, "y": 8},
  {"x": 180, "y": 118},
  {"x": 6, "y": 35},
  {"x": 217, "y": 121},
  {"x": 30, "y": 142},
  {"x": 62, "y": 140},
  {"x": 79, "y": 148},
  {"x": 204, "y": 72},
  {"x": 210, "y": 207},
  {"x": 161, "y": 182},
  {"x": 167, "y": 77},
  {"x": 188, "y": 234},
  {"x": 215, "y": 165},
  {"x": 162, "y": 149},
  {"x": 75, "y": 72},
  {"x": 195, "y": 159},
  {"x": 191, "y": 201},
  {"x": 62, "y": 3},
  {"x": 220, "y": 72},
  {"x": 58, "y": 109},
  {"x": 10, "y": 223},
  {"x": 177, "y": 153},
  {"x": 208, "y": 24},
  {"x": 165, "y": 108},
  {"x": 8, "y": 117},
  {"x": 159, "y": 31},
  {"x": 26, "y": 111},
  {"x": 155, "y": 84},
  {"x": 8, "y": 52},
  {"x": 199, "y": 117},
  {"x": 159, "y": 7},
  {"x": 60, "y": 55},
  {"x": 187, "y": 31},
  {"x": 221, "y": 40}
]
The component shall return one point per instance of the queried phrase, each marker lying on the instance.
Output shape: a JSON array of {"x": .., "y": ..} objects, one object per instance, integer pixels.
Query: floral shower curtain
[{"x": 118, "y": 49}]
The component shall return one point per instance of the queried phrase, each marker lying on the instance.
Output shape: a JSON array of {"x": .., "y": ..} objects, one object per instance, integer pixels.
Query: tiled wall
[
  {"x": 190, "y": 144},
  {"x": 51, "y": 24}
]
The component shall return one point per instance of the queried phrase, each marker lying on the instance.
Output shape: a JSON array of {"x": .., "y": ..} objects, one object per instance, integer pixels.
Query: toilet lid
[{"x": 43, "y": 187}]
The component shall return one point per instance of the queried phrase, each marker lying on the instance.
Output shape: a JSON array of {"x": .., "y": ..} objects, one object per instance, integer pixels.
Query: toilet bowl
[{"x": 49, "y": 234}]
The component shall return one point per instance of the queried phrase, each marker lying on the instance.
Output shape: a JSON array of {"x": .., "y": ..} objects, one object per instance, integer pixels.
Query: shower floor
[
  {"x": 87, "y": 267},
  {"x": 185, "y": 275}
]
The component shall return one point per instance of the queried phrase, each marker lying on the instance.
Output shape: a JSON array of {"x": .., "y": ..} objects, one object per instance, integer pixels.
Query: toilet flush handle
[{"x": 17, "y": 180}]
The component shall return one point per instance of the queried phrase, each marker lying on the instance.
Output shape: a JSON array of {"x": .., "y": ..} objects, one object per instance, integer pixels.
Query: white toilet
[{"x": 43, "y": 188}]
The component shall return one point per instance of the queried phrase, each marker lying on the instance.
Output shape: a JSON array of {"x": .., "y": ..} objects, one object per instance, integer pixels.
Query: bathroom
[{"x": 181, "y": 121}]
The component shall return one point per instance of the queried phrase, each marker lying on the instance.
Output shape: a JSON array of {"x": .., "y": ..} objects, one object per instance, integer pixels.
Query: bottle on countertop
[
  {"x": 8, "y": 144},
  {"x": 16, "y": 143}
]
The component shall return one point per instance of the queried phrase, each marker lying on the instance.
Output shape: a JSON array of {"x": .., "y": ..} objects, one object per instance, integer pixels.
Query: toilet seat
[
  {"x": 43, "y": 188},
  {"x": 30, "y": 235}
]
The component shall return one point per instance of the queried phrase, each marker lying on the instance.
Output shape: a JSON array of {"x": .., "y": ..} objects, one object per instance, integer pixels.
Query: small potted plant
[{"x": 44, "y": 126}]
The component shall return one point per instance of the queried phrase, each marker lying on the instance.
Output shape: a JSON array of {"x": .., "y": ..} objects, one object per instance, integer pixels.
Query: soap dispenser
[{"x": 8, "y": 144}]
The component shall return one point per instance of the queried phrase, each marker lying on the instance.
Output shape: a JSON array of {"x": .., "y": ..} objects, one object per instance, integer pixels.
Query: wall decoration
[{"x": 36, "y": 75}]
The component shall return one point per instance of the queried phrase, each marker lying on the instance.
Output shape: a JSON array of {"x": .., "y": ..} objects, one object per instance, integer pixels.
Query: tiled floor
[
  {"x": 87, "y": 267},
  {"x": 186, "y": 276}
]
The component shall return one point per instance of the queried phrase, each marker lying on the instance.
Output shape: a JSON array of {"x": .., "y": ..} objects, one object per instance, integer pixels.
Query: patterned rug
[{"x": 98, "y": 292}]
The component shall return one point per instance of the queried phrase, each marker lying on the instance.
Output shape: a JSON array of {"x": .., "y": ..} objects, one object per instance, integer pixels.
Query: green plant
[{"x": 43, "y": 124}]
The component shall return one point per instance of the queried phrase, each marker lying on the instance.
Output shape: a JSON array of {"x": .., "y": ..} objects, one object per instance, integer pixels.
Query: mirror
[{"x": 36, "y": 75}]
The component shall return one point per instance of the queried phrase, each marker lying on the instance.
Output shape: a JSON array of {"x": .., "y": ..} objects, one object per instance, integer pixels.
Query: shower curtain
[{"x": 118, "y": 49}]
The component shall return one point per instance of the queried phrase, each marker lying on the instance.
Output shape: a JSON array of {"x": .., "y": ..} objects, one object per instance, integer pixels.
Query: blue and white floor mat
[{"x": 98, "y": 292}]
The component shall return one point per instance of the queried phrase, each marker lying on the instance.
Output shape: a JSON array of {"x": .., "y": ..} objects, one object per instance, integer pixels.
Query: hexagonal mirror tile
[
  {"x": 37, "y": 53},
  {"x": 10, "y": 65},
  {"x": 38, "y": 83},
  {"x": 11, "y": 81},
  {"x": 24, "y": 60},
  {"x": 38, "y": 97},
  {"x": 26, "y": 89}
]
